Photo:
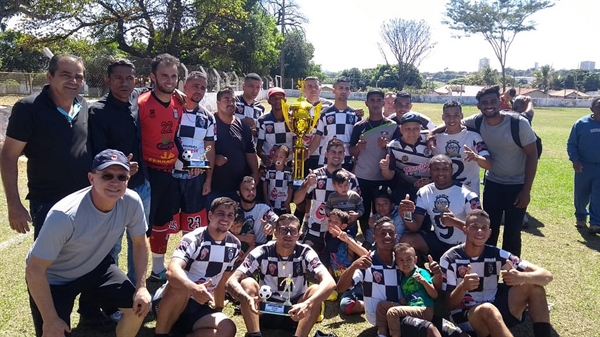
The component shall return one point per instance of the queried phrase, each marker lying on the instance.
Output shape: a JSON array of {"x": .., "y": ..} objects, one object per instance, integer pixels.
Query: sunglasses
[
  {"x": 287, "y": 230},
  {"x": 110, "y": 177}
]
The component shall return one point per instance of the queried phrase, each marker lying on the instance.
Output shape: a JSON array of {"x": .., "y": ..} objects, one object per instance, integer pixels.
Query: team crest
[
  {"x": 175, "y": 114},
  {"x": 404, "y": 159},
  {"x": 377, "y": 277},
  {"x": 272, "y": 269},
  {"x": 230, "y": 253},
  {"x": 462, "y": 271},
  {"x": 204, "y": 253},
  {"x": 441, "y": 203},
  {"x": 240, "y": 109},
  {"x": 271, "y": 175},
  {"x": 269, "y": 128},
  {"x": 321, "y": 183},
  {"x": 320, "y": 213},
  {"x": 350, "y": 119},
  {"x": 200, "y": 122},
  {"x": 453, "y": 149},
  {"x": 330, "y": 119}
]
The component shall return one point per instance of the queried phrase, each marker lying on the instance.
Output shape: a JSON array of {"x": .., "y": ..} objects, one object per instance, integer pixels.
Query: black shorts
[
  {"x": 106, "y": 284},
  {"x": 269, "y": 321},
  {"x": 162, "y": 188},
  {"x": 187, "y": 196},
  {"x": 417, "y": 327},
  {"x": 500, "y": 302},
  {"x": 191, "y": 314},
  {"x": 436, "y": 247}
]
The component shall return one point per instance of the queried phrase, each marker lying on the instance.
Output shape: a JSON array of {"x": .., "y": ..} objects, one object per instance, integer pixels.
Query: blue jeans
[
  {"x": 587, "y": 191},
  {"x": 144, "y": 192}
]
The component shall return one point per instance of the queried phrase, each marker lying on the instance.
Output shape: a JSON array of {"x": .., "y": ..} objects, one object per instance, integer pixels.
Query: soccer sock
[
  {"x": 541, "y": 329},
  {"x": 158, "y": 263}
]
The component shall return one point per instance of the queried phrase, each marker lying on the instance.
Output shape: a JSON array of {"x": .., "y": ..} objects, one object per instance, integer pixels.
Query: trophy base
[
  {"x": 297, "y": 183},
  {"x": 273, "y": 308},
  {"x": 197, "y": 164}
]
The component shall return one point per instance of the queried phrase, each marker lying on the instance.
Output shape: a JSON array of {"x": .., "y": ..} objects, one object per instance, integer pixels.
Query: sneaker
[
  {"x": 333, "y": 296},
  {"x": 161, "y": 277},
  {"x": 99, "y": 323},
  {"x": 116, "y": 316},
  {"x": 320, "y": 333},
  {"x": 594, "y": 229},
  {"x": 581, "y": 224},
  {"x": 349, "y": 307}
]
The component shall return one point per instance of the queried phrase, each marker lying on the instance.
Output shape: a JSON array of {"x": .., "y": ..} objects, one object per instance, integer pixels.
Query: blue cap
[
  {"x": 410, "y": 117},
  {"x": 108, "y": 158}
]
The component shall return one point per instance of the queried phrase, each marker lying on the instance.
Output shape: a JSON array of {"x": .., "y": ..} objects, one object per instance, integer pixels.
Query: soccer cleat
[
  {"x": 320, "y": 333},
  {"x": 162, "y": 276},
  {"x": 333, "y": 296}
]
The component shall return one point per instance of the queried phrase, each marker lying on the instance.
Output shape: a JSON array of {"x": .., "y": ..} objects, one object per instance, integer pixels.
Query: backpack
[{"x": 514, "y": 130}]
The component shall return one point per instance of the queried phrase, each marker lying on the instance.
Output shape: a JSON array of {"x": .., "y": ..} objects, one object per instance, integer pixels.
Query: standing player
[
  {"x": 248, "y": 109},
  {"x": 584, "y": 152},
  {"x": 189, "y": 303},
  {"x": 160, "y": 115},
  {"x": 403, "y": 105},
  {"x": 337, "y": 121},
  {"x": 196, "y": 135},
  {"x": 272, "y": 130},
  {"x": 465, "y": 147},
  {"x": 446, "y": 204},
  {"x": 318, "y": 186},
  {"x": 389, "y": 107},
  {"x": 477, "y": 301}
]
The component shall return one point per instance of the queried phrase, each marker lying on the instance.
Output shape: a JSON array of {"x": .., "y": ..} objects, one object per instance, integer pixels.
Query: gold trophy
[{"x": 301, "y": 119}]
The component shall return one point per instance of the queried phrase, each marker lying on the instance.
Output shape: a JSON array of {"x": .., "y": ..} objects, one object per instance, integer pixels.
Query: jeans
[
  {"x": 144, "y": 192},
  {"x": 587, "y": 191},
  {"x": 499, "y": 198}
]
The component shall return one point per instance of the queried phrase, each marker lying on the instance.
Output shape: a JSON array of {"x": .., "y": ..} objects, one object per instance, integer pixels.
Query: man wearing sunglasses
[
  {"x": 276, "y": 262},
  {"x": 71, "y": 253}
]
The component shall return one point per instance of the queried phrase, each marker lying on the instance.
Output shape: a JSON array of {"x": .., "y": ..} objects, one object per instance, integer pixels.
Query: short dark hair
[
  {"x": 404, "y": 94},
  {"x": 375, "y": 91},
  {"x": 53, "y": 66},
  {"x": 383, "y": 220},
  {"x": 512, "y": 92},
  {"x": 287, "y": 218},
  {"x": 340, "y": 176},
  {"x": 164, "y": 59},
  {"x": 488, "y": 90},
  {"x": 196, "y": 74},
  {"x": 403, "y": 247},
  {"x": 118, "y": 62},
  {"x": 334, "y": 142},
  {"x": 595, "y": 101},
  {"x": 252, "y": 76},
  {"x": 240, "y": 217},
  {"x": 452, "y": 104},
  {"x": 344, "y": 217},
  {"x": 223, "y": 201},
  {"x": 476, "y": 213},
  {"x": 226, "y": 90}
]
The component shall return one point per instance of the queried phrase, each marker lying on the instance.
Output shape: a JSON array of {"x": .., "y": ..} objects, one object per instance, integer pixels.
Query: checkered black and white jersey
[
  {"x": 278, "y": 184},
  {"x": 381, "y": 282},
  {"x": 433, "y": 202},
  {"x": 205, "y": 258},
  {"x": 334, "y": 123},
  {"x": 487, "y": 266},
  {"x": 274, "y": 269},
  {"x": 319, "y": 194},
  {"x": 196, "y": 126},
  {"x": 253, "y": 219},
  {"x": 410, "y": 162},
  {"x": 252, "y": 110},
  {"x": 274, "y": 133}
]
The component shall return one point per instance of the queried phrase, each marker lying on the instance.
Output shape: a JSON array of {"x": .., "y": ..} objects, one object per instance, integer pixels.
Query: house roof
[
  {"x": 567, "y": 92},
  {"x": 458, "y": 90}
]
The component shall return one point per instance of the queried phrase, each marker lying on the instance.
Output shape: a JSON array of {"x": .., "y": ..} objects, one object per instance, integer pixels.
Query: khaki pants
[{"x": 389, "y": 315}]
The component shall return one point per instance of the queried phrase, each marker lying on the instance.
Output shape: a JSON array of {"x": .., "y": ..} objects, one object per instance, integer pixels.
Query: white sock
[{"x": 158, "y": 263}]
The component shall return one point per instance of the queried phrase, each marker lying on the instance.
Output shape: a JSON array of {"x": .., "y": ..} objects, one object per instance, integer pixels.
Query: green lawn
[{"x": 552, "y": 242}]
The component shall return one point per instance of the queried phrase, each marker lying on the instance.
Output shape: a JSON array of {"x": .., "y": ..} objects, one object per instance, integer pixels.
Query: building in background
[
  {"x": 484, "y": 62},
  {"x": 587, "y": 65}
]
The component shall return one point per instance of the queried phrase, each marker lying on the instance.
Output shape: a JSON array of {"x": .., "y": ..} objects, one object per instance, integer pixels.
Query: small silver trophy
[{"x": 200, "y": 161}]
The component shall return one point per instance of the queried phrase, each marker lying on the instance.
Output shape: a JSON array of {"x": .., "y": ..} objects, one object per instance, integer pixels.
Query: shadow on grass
[
  {"x": 534, "y": 226},
  {"x": 591, "y": 241}
]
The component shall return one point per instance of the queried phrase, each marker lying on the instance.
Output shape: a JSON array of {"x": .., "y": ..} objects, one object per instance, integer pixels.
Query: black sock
[
  {"x": 541, "y": 329},
  {"x": 161, "y": 335}
]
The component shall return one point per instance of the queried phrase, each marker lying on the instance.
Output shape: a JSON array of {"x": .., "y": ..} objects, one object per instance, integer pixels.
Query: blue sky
[{"x": 345, "y": 35}]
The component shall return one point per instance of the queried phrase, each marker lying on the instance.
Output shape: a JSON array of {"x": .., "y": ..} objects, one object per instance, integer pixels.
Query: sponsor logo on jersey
[
  {"x": 330, "y": 119},
  {"x": 320, "y": 213},
  {"x": 452, "y": 149},
  {"x": 441, "y": 203},
  {"x": 377, "y": 277}
]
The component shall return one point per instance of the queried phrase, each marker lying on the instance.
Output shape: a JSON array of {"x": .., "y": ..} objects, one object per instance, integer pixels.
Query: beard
[
  {"x": 249, "y": 201},
  {"x": 163, "y": 89}
]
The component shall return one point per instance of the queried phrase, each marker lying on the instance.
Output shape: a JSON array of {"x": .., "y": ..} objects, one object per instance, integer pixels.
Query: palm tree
[{"x": 543, "y": 78}]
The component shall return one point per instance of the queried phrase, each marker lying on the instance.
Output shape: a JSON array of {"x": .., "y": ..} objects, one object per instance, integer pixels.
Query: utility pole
[{"x": 282, "y": 53}]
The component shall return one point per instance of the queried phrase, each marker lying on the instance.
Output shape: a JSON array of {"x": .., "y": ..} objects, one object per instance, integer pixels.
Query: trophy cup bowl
[
  {"x": 301, "y": 118},
  {"x": 201, "y": 162}
]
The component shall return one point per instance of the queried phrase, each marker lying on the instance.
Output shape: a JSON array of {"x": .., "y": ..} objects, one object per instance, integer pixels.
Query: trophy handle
[
  {"x": 316, "y": 116},
  {"x": 286, "y": 114}
]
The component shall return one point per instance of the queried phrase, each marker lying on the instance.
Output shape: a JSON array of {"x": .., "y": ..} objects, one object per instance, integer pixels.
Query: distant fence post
[{"x": 218, "y": 79}]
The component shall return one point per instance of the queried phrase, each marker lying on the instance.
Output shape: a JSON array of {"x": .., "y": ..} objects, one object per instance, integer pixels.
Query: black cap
[
  {"x": 383, "y": 192},
  {"x": 375, "y": 91},
  {"x": 108, "y": 158},
  {"x": 410, "y": 117}
]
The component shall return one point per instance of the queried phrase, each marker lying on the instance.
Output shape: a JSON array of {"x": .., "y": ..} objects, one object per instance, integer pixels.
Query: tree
[
  {"x": 297, "y": 55},
  {"x": 409, "y": 42},
  {"x": 543, "y": 78},
  {"x": 203, "y": 29},
  {"x": 489, "y": 76},
  {"x": 17, "y": 55},
  {"x": 498, "y": 21},
  {"x": 287, "y": 14}
]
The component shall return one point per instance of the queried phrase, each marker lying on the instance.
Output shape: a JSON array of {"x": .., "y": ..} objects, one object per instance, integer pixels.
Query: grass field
[{"x": 552, "y": 241}]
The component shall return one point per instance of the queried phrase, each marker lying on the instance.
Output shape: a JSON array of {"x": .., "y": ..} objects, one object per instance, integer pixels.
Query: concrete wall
[{"x": 464, "y": 100}]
